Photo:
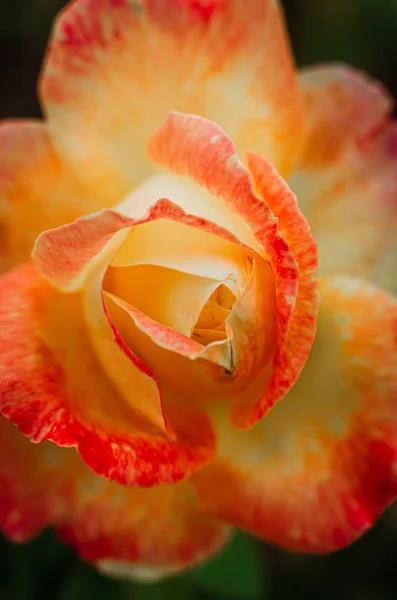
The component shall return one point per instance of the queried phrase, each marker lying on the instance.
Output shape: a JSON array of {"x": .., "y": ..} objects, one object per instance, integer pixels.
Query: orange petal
[
  {"x": 53, "y": 388},
  {"x": 130, "y": 531},
  {"x": 346, "y": 181},
  {"x": 193, "y": 147},
  {"x": 115, "y": 68},
  {"x": 293, "y": 346},
  {"x": 321, "y": 467},
  {"x": 36, "y": 191},
  {"x": 68, "y": 255}
]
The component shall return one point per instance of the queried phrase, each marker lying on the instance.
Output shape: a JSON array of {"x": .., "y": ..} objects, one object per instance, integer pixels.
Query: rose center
[
  {"x": 211, "y": 324},
  {"x": 182, "y": 277},
  {"x": 192, "y": 305}
]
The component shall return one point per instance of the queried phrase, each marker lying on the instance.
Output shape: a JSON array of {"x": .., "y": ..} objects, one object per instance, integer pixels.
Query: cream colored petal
[
  {"x": 346, "y": 181},
  {"x": 193, "y": 199},
  {"x": 186, "y": 249}
]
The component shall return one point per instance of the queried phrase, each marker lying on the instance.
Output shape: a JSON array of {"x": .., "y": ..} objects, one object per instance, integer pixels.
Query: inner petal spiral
[
  {"x": 211, "y": 324},
  {"x": 178, "y": 300},
  {"x": 189, "y": 301}
]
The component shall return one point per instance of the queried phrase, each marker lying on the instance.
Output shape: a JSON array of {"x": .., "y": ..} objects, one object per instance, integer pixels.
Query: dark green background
[{"x": 363, "y": 33}]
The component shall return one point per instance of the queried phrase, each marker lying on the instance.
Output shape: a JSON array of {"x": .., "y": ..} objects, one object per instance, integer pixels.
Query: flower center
[
  {"x": 182, "y": 277},
  {"x": 189, "y": 304},
  {"x": 211, "y": 324}
]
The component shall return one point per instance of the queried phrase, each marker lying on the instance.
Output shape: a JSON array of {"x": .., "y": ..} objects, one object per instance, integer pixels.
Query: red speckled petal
[
  {"x": 36, "y": 191},
  {"x": 196, "y": 148},
  {"x": 53, "y": 388},
  {"x": 116, "y": 67},
  {"x": 321, "y": 467},
  {"x": 68, "y": 255},
  {"x": 139, "y": 533},
  {"x": 346, "y": 181},
  {"x": 292, "y": 355}
]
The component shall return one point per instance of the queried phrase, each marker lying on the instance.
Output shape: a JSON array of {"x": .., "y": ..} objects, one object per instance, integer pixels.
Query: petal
[
  {"x": 293, "y": 353},
  {"x": 115, "y": 68},
  {"x": 187, "y": 250},
  {"x": 321, "y": 467},
  {"x": 36, "y": 191},
  {"x": 53, "y": 388},
  {"x": 346, "y": 180},
  {"x": 190, "y": 146},
  {"x": 67, "y": 255},
  {"x": 193, "y": 199},
  {"x": 125, "y": 531}
]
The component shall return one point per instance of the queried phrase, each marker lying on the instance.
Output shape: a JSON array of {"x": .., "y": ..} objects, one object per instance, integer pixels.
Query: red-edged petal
[
  {"x": 115, "y": 68},
  {"x": 193, "y": 147},
  {"x": 36, "y": 191},
  {"x": 291, "y": 355},
  {"x": 130, "y": 531},
  {"x": 321, "y": 467},
  {"x": 53, "y": 388},
  {"x": 66, "y": 256},
  {"x": 346, "y": 181}
]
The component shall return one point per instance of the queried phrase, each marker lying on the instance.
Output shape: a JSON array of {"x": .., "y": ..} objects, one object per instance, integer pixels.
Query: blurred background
[{"x": 360, "y": 32}]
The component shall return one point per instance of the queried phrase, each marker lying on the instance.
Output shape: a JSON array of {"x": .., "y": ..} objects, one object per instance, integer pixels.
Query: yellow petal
[{"x": 186, "y": 249}]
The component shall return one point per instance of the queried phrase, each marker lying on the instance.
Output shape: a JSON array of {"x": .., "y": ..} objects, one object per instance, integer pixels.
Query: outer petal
[
  {"x": 346, "y": 181},
  {"x": 116, "y": 67},
  {"x": 53, "y": 388},
  {"x": 134, "y": 532},
  {"x": 321, "y": 467},
  {"x": 291, "y": 355},
  {"x": 36, "y": 191}
]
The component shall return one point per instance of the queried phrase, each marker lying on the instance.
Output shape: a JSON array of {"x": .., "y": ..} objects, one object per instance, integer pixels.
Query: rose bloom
[{"x": 159, "y": 293}]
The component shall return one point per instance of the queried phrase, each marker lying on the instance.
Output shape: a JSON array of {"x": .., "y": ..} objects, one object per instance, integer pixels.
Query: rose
[{"x": 155, "y": 335}]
